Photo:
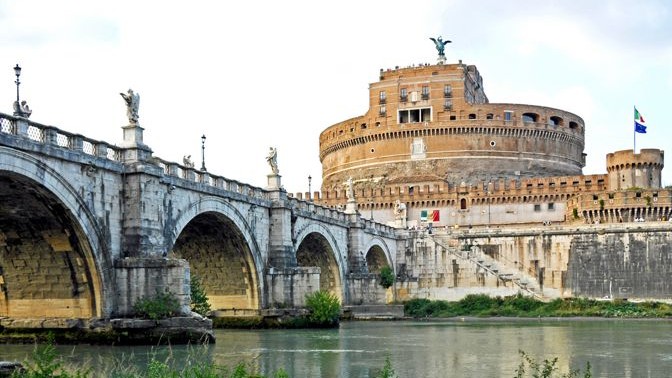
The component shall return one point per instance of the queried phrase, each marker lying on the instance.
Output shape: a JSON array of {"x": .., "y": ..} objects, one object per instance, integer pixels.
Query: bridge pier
[{"x": 138, "y": 278}]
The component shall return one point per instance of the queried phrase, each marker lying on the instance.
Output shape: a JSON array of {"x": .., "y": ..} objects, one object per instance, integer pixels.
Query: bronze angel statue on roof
[{"x": 440, "y": 44}]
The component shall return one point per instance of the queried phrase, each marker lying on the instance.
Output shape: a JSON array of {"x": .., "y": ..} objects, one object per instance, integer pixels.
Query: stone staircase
[{"x": 527, "y": 284}]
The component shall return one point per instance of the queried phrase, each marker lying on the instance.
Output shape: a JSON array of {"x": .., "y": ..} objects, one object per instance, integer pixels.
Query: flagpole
[{"x": 634, "y": 134}]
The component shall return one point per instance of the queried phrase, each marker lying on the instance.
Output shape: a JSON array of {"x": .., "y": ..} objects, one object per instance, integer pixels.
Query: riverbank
[
  {"x": 527, "y": 307},
  {"x": 122, "y": 331}
]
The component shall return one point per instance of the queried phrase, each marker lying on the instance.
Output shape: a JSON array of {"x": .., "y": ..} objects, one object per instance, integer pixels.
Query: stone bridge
[{"x": 87, "y": 228}]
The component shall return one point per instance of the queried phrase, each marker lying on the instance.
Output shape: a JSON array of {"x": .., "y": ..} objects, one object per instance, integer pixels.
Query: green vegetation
[
  {"x": 546, "y": 369},
  {"x": 47, "y": 363},
  {"x": 160, "y": 306},
  {"x": 324, "y": 307},
  {"x": 386, "y": 277},
  {"x": 522, "y": 306},
  {"x": 387, "y": 371},
  {"x": 199, "y": 300},
  {"x": 575, "y": 213},
  {"x": 601, "y": 204}
]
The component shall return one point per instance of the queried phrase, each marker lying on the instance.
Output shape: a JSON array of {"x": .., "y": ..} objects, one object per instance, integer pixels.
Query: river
[{"x": 446, "y": 348}]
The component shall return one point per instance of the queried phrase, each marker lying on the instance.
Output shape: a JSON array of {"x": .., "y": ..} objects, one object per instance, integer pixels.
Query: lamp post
[
  {"x": 17, "y": 72},
  {"x": 203, "y": 153},
  {"x": 309, "y": 180}
]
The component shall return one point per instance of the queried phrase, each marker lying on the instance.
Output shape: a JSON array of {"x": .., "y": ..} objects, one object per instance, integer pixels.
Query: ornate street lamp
[
  {"x": 17, "y": 72},
  {"x": 203, "y": 153}
]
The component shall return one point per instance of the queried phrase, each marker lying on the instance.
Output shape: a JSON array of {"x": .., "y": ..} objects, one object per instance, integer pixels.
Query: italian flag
[{"x": 640, "y": 126}]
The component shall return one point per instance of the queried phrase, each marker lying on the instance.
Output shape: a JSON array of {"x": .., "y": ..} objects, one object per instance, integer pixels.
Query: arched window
[
  {"x": 555, "y": 121},
  {"x": 573, "y": 125},
  {"x": 530, "y": 117},
  {"x": 488, "y": 116},
  {"x": 472, "y": 116},
  {"x": 463, "y": 204}
]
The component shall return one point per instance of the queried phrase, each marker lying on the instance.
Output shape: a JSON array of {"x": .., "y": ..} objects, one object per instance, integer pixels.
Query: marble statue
[
  {"x": 22, "y": 110},
  {"x": 350, "y": 191},
  {"x": 272, "y": 160},
  {"x": 399, "y": 210},
  {"x": 186, "y": 160},
  {"x": 132, "y": 104}
]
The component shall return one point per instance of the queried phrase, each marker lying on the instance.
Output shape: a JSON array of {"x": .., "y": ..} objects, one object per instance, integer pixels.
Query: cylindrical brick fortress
[
  {"x": 628, "y": 170},
  {"x": 434, "y": 124}
]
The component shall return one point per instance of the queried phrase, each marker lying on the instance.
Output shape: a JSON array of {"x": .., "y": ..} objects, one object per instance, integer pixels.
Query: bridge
[{"x": 88, "y": 227}]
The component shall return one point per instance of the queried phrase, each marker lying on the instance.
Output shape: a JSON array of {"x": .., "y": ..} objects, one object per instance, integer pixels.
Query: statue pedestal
[
  {"x": 441, "y": 59},
  {"x": 351, "y": 207},
  {"x": 273, "y": 182}
]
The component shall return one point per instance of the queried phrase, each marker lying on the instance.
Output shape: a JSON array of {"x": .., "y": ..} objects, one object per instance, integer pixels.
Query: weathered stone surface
[
  {"x": 133, "y": 323},
  {"x": 7, "y": 368}
]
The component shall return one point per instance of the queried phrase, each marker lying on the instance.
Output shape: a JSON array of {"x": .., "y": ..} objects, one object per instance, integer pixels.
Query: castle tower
[
  {"x": 626, "y": 169},
  {"x": 432, "y": 124}
]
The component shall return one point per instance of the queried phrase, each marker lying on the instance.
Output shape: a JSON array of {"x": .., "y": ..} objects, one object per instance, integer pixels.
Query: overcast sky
[{"x": 255, "y": 74}]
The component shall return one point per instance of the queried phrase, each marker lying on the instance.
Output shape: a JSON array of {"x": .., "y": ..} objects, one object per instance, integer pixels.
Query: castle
[{"x": 432, "y": 150}]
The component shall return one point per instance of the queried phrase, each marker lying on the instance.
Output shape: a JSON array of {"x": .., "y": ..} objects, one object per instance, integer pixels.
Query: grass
[{"x": 522, "y": 306}]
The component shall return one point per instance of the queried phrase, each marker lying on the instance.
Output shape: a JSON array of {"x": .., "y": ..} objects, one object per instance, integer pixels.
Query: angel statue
[
  {"x": 272, "y": 159},
  {"x": 440, "y": 45},
  {"x": 132, "y": 105}
]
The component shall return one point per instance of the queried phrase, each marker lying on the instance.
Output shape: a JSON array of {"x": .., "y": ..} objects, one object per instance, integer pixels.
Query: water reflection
[{"x": 470, "y": 348}]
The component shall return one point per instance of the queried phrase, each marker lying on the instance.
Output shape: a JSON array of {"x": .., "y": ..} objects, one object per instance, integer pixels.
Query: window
[
  {"x": 508, "y": 115},
  {"x": 472, "y": 116},
  {"x": 573, "y": 125},
  {"x": 537, "y": 207},
  {"x": 383, "y": 110},
  {"x": 453, "y": 118},
  {"x": 383, "y": 97},
  {"x": 447, "y": 91},
  {"x": 530, "y": 117},
  {"x": 555, "y": 121},
  {"x": 425, "y": 92},
  {"x": 415, "y": 115},
  {"x": 551, "y": 206},
  {"x": 489, "y": 116},
  {"x": 463, "y": 204},
  {"x": 448, "y": 104},
  {"x": 403, "y": 95}
]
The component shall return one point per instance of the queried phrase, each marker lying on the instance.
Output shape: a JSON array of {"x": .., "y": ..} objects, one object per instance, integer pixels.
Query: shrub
[
  {"x": 199, "y": 300},
  {"x": 546, "y": 368},
  {"x": 476, "y": 304},
  {"x": 324, "y": 307},
  {"x": 47, "y": 363},
  {"x": 417, "y": 307},
  {"x": 386, "y": 277},
  {"x": 387, "y": 371},
  {"x": 160, "y": 306}
]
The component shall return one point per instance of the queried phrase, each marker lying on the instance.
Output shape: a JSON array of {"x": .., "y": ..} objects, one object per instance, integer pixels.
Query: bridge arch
[
  {"x": 221, "y": 249},
  {"x": 378, "y": 255},
  {"x": 316, "y": 246},
  {"x": 54, "y": 258}
]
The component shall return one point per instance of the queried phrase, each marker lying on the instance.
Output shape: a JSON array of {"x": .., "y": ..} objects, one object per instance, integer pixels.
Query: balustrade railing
[{"x": 50, "y": 135}]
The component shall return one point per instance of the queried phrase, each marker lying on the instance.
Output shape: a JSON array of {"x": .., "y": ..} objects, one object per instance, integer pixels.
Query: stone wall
[
  {"x": 634, "y": 265},
  {"x": 288, "y": 287},
  {"x": 599, "y": 261},
  {"x": 145, "y": 277}
]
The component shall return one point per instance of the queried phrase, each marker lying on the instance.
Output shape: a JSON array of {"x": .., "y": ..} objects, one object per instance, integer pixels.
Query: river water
[{"x": 447, "y": 348}]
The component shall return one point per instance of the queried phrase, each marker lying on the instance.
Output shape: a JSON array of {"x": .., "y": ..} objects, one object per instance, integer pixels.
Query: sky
[{"x": 254, "y": 74}]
